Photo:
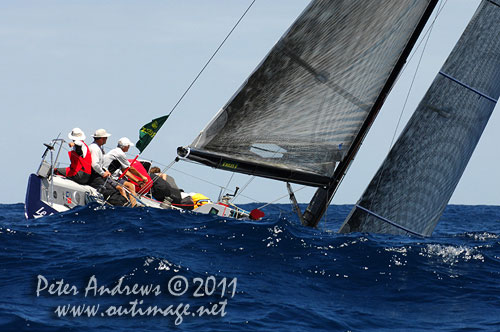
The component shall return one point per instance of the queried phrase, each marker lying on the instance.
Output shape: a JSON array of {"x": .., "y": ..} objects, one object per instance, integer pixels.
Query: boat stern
[{"x": 34, "y": 207}]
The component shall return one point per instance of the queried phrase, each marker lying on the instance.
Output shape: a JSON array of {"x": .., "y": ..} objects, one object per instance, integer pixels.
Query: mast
[{"x": 323, "y": 196}]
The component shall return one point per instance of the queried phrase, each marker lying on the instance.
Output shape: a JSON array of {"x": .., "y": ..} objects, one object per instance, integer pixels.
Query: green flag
[{"x": 148, "y": 131}]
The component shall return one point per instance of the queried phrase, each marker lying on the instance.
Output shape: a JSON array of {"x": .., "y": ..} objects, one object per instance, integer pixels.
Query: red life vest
[{"x": 78, "y": 163}]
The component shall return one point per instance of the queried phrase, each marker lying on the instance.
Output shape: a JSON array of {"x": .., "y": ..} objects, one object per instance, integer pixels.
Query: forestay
[
  {"x": 298, "y": 113},
  {"x": 415, "y": 182}
]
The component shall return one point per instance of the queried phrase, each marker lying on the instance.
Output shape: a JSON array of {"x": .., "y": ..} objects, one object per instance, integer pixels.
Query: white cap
[
  {"x": 76, "y": 134},
  {"x": 124, "y": 141},
  {"x": 101, "y": 133}
]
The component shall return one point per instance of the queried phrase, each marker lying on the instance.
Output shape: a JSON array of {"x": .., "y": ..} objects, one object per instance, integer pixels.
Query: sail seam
[
  {"x": 388, "y": 221},
  {"x": 468, "y": 87},
  {"x": 493, "y": 3},
  {"x": 323, "y": 77}
]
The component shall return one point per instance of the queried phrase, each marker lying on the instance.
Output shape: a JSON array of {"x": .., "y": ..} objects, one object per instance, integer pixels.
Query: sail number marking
[
  {"x": 227, "y": 164},
  {"x": 40, "y": 212}
]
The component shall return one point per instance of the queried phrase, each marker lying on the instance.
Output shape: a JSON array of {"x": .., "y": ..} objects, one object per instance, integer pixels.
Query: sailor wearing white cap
[
  {"x": 100, "y": 138},
  {"x": 99, "y": 172},
  {"x": 77, "y": 135},
  {"x": 101, "y": 133},
  {"x": 80, "y": 158},
  {"x": 116, "y": 161},
  {"x": 116, "y": 158}
]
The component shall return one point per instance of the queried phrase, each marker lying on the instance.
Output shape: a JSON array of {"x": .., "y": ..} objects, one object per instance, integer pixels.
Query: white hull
[
  {"x": 48, "y": 194},
  {"x": 46, "y": 197}
]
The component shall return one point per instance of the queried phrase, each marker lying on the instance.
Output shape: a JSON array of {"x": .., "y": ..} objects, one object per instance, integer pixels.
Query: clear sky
[{"x": 118, "y": 64}]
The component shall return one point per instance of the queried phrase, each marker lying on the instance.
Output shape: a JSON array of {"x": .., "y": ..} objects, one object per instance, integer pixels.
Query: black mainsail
[
  {"x": 302, "y": 114},
  {"x": 412, "y": 187}
]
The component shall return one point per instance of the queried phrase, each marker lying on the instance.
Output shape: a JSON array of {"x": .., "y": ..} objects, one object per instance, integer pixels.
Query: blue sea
[{"x": 119, "y": 269}]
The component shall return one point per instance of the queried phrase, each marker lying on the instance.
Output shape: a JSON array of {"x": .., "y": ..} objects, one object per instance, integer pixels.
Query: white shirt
[
  {"x": 97, "y": 158},
  {"x": 116, "y": 154}
]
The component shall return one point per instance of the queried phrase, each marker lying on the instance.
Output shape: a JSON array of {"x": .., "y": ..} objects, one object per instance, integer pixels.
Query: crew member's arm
[
  {"x": 95, "y": 162},
  {"x": 135, "y": 173},
  {"x": 135, "y": 176},
  {"x": 78, "y": 148}
]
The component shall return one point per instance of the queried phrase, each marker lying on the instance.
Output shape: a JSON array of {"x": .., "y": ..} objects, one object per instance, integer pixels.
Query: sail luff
[{"x": 323, "y": 196}]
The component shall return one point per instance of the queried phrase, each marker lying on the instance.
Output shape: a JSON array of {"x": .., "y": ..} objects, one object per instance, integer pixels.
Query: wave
[{"x": 287, "y": 275}]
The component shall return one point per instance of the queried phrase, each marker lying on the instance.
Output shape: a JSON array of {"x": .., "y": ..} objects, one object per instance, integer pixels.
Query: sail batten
[
  {"x": 468, "y": 87},
  {"x": 390, "y": 222},
  {"x": 420, "y": 173},
  {"x": 317, "y": 87}
]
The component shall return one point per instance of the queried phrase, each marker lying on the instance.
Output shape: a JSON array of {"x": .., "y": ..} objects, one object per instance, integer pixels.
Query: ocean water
[{"x": 119, "y": 269}]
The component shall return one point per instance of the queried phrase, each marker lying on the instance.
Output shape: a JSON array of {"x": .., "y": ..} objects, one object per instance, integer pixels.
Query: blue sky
[{"x": 118, "y": 64}]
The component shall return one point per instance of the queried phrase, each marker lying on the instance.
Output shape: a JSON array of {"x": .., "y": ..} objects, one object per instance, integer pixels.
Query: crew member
[
  {"x": 165, "y": 186},
  {"x": 99, "y": 175},
  {"x": 116, "y": 162},
  {"x": 81, "y": 160}
]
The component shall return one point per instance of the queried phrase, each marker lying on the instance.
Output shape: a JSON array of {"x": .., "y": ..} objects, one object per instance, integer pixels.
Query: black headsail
[
  {"x": 415, "y": 182},
  {"x": 308, "y": 105}
]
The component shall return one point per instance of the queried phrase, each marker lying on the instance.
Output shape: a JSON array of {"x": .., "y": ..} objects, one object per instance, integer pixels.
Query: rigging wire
[
  {"x": 222, "y": 188},
  {"x": 227, "y": 186},
  {"x": 427, "y": 34},
  {"x": 279, "y": 198},
  {"x": 213, "y": 55},
  {"x": 429, "y": 30},
  {"x": 415, "y": 75},
  {"x": 164, "y": 170},
  {"x": 426, "y": 38},
  {"x": 198, "y": 75},
  {"x": 243, "y": 188},
  {"x": 211, "y": 183}
]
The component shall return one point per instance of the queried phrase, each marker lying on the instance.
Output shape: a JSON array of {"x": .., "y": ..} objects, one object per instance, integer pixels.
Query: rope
[
  {"x": 199, "y": 74},
  {"x": 415, "y": 49},
  {"x": 279, "y": 198},
  {"x": 227, "y": 186},
  {"x": 203, "y": 69},
  {"x": 426, "y": 38},
  {"x": 213, "y": 184},
  {"x": 243, "y": 188},
  {"x": 209, "y": 60},
  {"x": 410, "y": 89},
  {"x": 164, "y": 170}
]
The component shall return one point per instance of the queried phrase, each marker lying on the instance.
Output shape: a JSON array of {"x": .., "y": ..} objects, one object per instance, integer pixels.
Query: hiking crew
[
  {"x": 116, "y": 162},
  {"x": 99, "y": 175},
  {"x": 81, "y": 160}
]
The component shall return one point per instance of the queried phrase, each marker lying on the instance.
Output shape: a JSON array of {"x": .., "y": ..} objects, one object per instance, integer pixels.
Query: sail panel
[
  {"x": 416, "y": 180},
  {"x": 307, "y": 100}
]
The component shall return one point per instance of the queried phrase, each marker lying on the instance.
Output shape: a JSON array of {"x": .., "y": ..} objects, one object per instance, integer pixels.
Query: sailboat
[
  {"x": 49, "y": 193},
  {"x": 303, "y": 113}
]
